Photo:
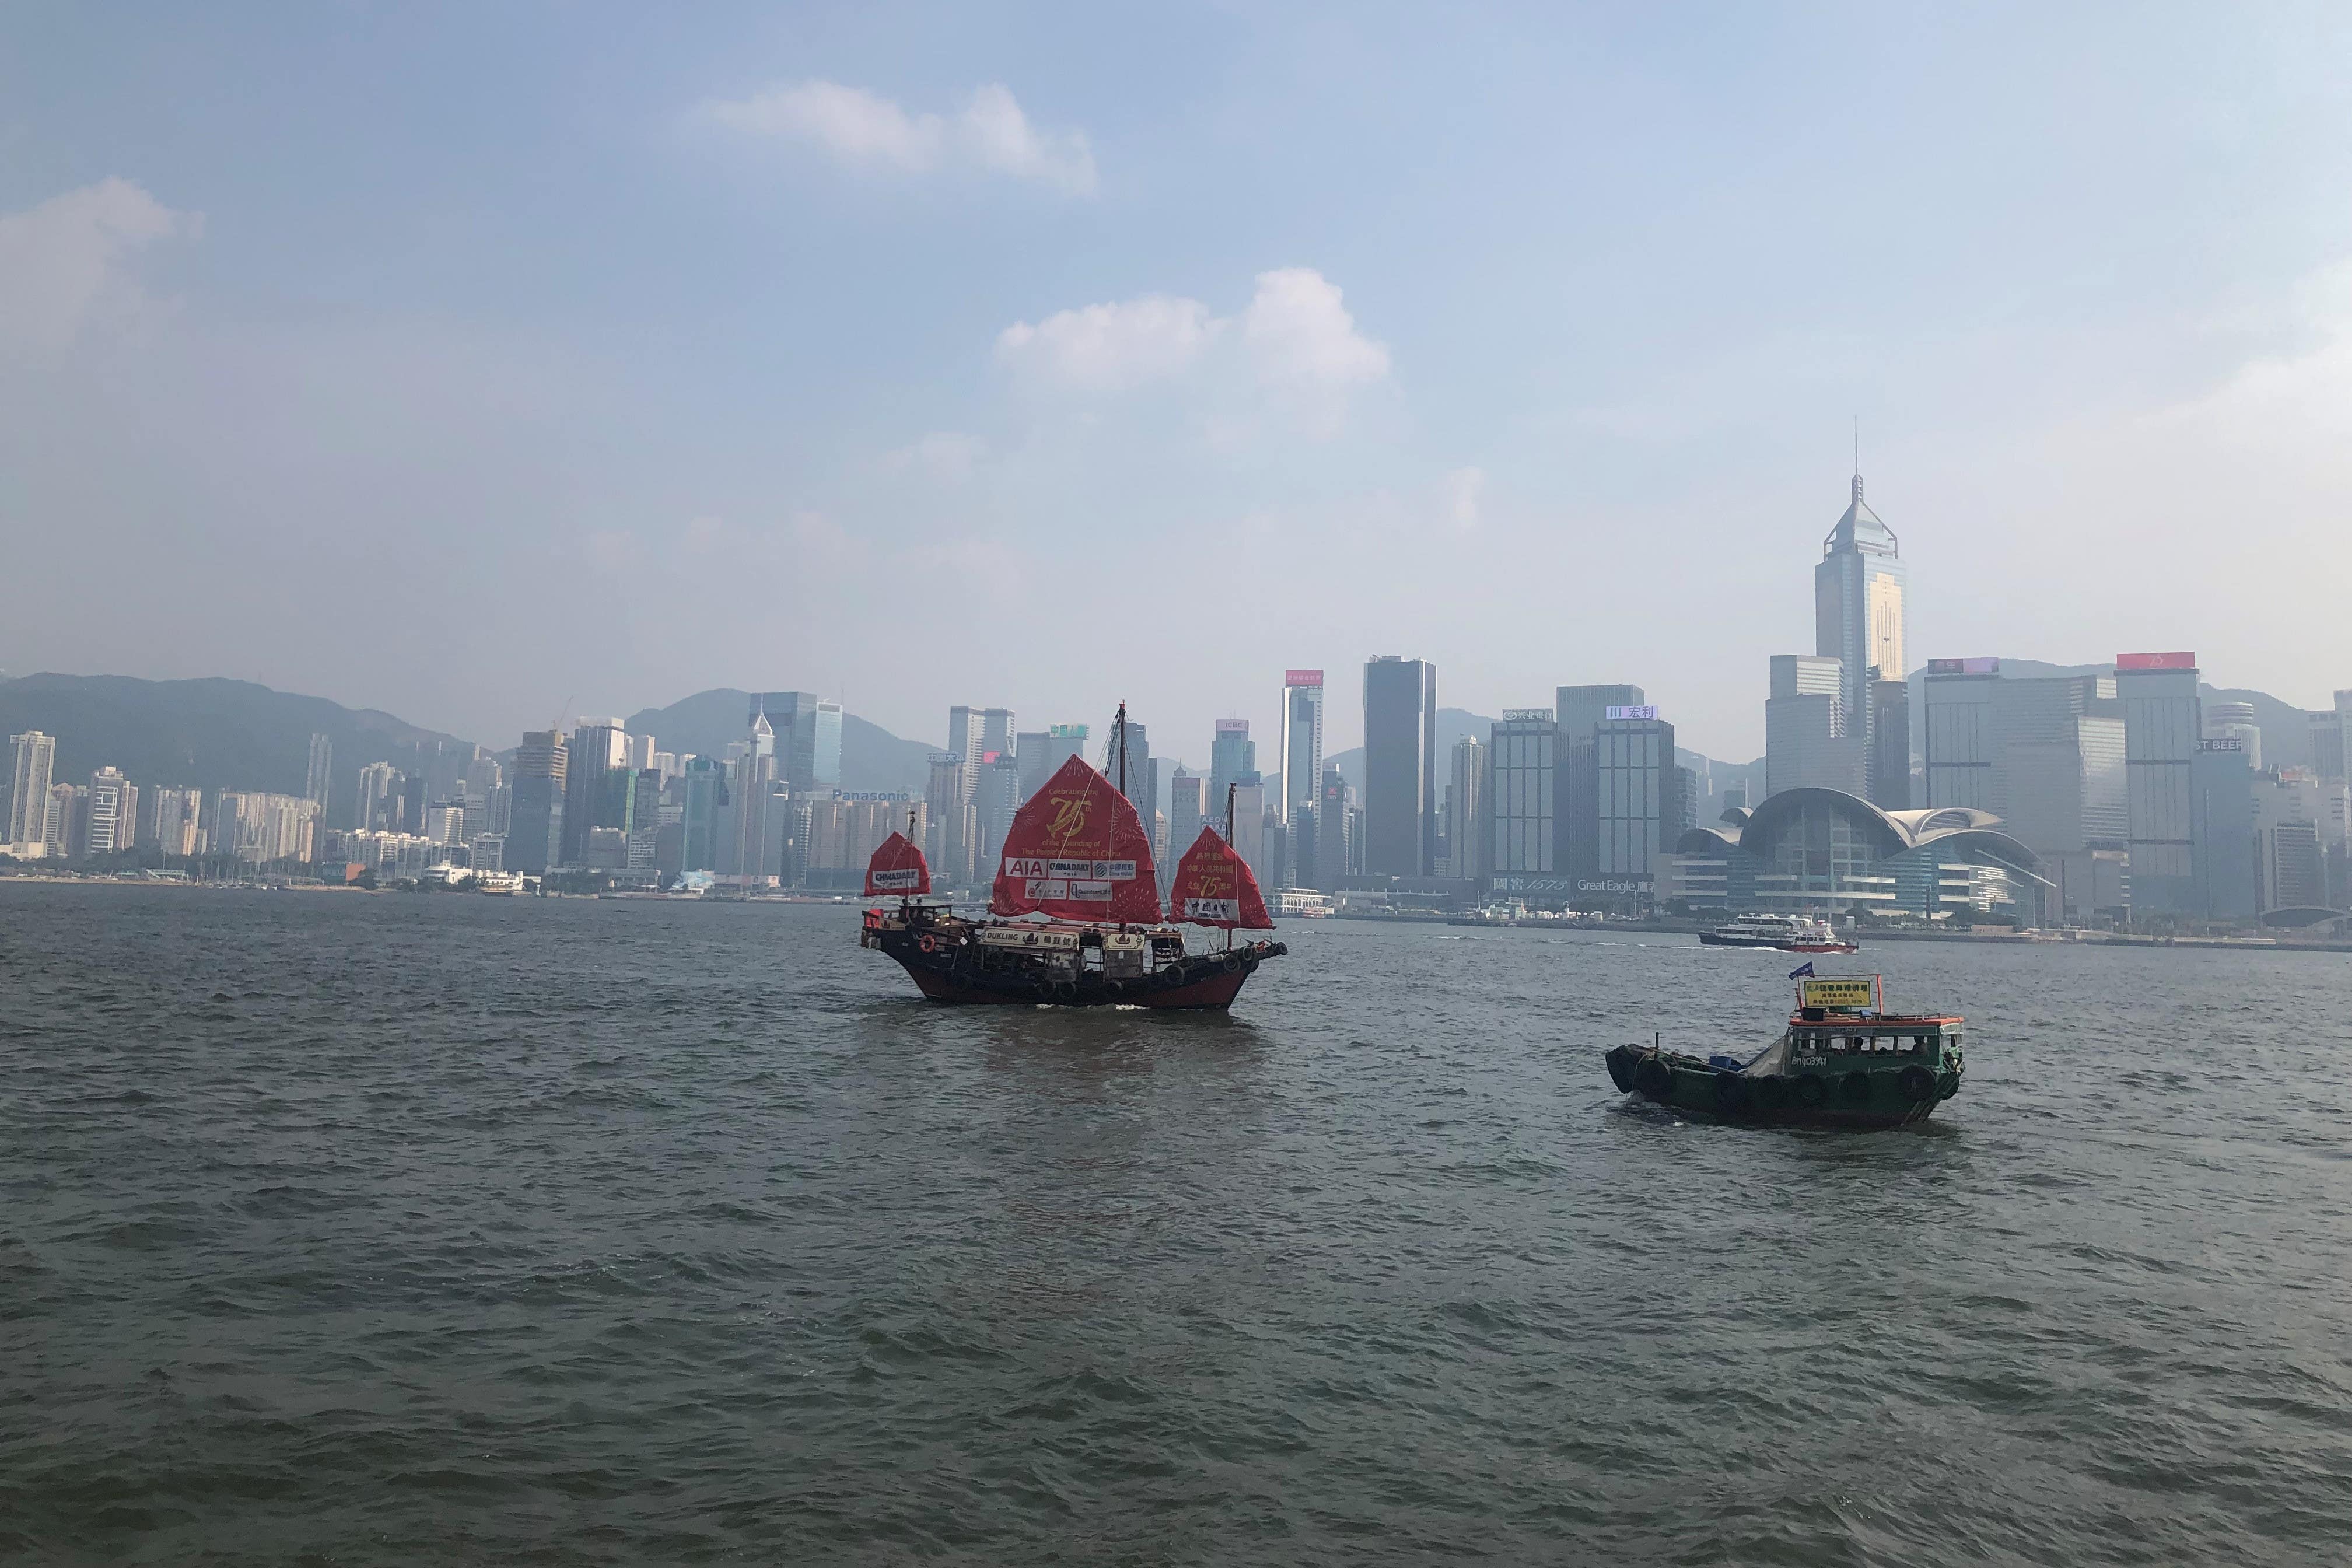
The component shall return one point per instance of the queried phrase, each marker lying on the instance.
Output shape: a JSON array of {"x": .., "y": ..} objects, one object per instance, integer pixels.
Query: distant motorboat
[{"x": 1789, "y": 933}]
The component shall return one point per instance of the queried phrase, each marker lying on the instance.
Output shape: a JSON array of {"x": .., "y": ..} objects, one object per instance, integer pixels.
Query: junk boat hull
[{"x": 961, "y": 962}]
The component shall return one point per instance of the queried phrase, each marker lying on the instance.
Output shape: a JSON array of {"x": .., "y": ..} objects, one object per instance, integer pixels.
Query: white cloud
[
  {"x": 1103, "y": 348},
  {"x": 990, "y": 133},
  {"x": 65, "y": 260},
  {"x": 995, "y": 131},
  {"x": 1293, "y": 352},
  {"x": 1298, "y": 332}
]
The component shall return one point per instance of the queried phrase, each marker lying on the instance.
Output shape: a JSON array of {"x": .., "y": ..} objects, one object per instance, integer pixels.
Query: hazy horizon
[{"x": 476, "y": 367}]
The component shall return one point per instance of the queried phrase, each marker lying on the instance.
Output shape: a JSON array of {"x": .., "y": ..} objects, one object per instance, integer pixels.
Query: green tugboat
[{"x": 1843, "y": 1062}]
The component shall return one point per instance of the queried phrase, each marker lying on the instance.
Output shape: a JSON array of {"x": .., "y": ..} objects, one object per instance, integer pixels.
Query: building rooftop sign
[
  {"x": 2221, "y": 743},
  {"x": 1646, "y": 711},
  {"x": 1233, "y": 726},
  {"x": 1964, "y": 666},
  {"x": 1526, "y": 715},
  {"x": 2155, "y": 661},
  {"x": 1067, "y": 731},
  {"x": 1302, "y": 677}
]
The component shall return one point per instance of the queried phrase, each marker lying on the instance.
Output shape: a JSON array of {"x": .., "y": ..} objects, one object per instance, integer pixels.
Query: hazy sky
[{"x": 491, "y": 361}]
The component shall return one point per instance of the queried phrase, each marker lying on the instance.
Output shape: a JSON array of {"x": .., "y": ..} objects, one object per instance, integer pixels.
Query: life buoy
[
  {"x": 1730, "y": 1091},
  {"x": 1655, "y": 1078},
  {"x": 1854, "y": 1088},
  {"x": 1811, "y": 1092},
  {"x": 1915, "y": 1083},
  {"x": 930, "y": 943}
]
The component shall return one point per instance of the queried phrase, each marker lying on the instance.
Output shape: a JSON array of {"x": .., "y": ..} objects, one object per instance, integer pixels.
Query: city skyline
[{"x": 766, "y": 308}]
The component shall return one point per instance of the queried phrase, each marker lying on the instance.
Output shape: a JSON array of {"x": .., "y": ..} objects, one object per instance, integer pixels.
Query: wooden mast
[{"x": 1230, "y": 787}]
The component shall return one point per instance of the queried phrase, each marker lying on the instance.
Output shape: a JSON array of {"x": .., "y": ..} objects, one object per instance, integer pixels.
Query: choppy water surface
[{"x": 409, "y": 1228}]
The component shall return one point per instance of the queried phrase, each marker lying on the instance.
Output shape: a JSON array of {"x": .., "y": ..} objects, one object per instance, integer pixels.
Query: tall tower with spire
[{"x": 1860, "y": 615}]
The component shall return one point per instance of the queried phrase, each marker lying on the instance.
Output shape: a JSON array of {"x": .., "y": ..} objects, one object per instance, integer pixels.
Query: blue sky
[{"x": 462, "y": 362}]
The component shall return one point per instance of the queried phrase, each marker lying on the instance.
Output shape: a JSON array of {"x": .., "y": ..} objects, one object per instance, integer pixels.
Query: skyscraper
[
  {"x": 1400, "y": 765},
  {"x": 1637, "y": 781},
  {"x": 953, "y": 826},
  {"x": 2162, "y": 724},
  {"x": 807, "y": 736},
  {"x": 33, "y": 759},
  {"x": 1860, "y": 609},
  {"x": 1042, "y": 753},
  {"x": 1186, "y": 812},
  {"x": 2235, "y": 721},
  {"x": 993, "y": 802},
  {"x": 596, "y": 748},
  {"x": 751, "y": 790},
  {"x": 1961, "y": 736},
  {"x": 1524, "y": 814},
  {"x": 1232, "y": 757},
  {"x": 2328, "y": 725},
  {"x": 376, "y": 808},
  {"x": 107, "y": 827},
  {"x": 1581, "y": 708},
  {"x": 323, "y": 762},
  {"x": 2222, "y": 832},
  {"x": 1467, "y": 832},
  {"x": 1302, "y": 739},
  {"x": 704, "y": 783},
  {"x": 1807, "y": 743},
  {"x": 1890, "y": 743},
  {"x": 1335, "y": 823},
  {"x": 535, "y": 817}
]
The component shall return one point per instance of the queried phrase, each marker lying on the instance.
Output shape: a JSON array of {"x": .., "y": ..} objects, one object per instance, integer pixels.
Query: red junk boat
[{"x": 1077, "y": 853}]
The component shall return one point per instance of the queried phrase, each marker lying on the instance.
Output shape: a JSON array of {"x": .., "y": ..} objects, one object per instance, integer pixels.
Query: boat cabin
[
  {"x": 1845, "y": 1015},
  {"x": 1815, "y": 1033}
]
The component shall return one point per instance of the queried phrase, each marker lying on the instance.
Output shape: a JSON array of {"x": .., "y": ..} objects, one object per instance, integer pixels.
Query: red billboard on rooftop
[
  {"x": 2155, "y": 661},
  {"x": 1302, "y": 677}
]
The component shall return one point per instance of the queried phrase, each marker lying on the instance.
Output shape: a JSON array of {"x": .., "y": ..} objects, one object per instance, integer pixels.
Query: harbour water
[{"x": 413, "y": 1229}]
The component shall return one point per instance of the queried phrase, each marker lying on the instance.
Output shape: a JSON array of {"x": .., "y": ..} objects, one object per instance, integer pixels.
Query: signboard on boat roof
[{"x": 1841, "y": 992}]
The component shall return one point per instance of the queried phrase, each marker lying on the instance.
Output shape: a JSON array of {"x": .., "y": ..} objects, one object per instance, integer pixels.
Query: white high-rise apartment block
[
  {"x": 23, "y": 831},
  {"x": 379, "y": 784},
  {"x": 113, "y": 810},
  {"x": 169, "y": 820},
  {"x": 1302, "y": 739},
  {"x": 261, "y": 828}
]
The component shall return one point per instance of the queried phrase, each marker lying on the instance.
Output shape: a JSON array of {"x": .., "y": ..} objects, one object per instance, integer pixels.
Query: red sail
[
  {"x": 1077, "y": 851},
  {"x": 1214, "y": 888},
  {"x": 897, "y": 866}
]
